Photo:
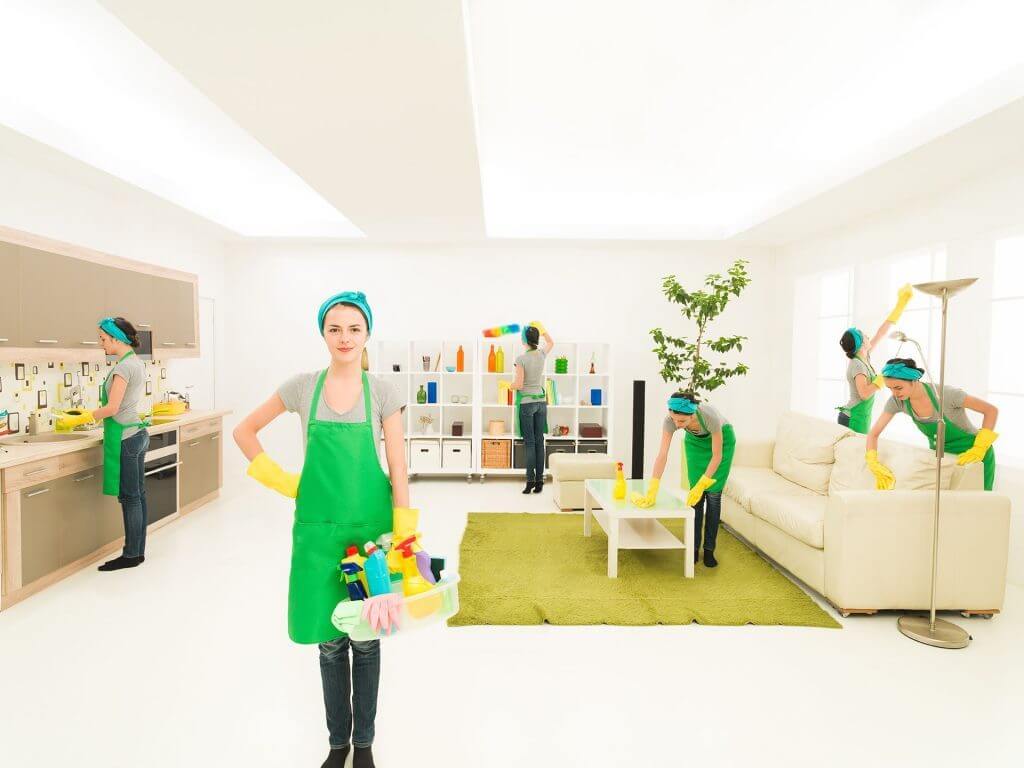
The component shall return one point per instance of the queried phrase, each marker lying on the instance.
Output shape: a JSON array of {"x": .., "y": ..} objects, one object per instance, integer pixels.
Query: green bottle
[{"x": 421, "y": 396}]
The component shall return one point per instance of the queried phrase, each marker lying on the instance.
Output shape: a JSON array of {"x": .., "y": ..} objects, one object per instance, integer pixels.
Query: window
[
  {"x": 833, "y": 316},
  {"x": 1006, "y": 368}
]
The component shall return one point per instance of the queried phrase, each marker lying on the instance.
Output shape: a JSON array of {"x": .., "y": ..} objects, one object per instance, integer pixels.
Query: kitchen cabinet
[
  {"x": 58, "y": 304},
  {"x": 10, "y": 303},
  {"x": 79, "y": 499},
  {"x": 40, "y": 530},
  {"x": 128, "y": 294},
  {"x": 175, "y": 306},
  {"x": 199, "y": 473}
]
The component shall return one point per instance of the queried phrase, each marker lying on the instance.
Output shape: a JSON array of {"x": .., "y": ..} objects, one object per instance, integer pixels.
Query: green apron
[
  {"x": 344, "y": 498},
  {"x": 860, "y": 414},
  {"x": 697, "y": 455},
  {"x": 519, "y": 399},
  {"x": 957, "y": 441},
  {"x": 112, "y": 431}
]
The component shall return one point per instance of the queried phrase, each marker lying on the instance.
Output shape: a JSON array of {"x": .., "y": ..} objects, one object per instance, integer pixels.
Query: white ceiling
[{"x": 460, "y": 119}]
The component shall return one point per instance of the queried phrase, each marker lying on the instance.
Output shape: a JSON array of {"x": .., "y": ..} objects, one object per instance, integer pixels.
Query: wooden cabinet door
[
  {"x": 210, "y": 477},
  {"x": 40, "y": 530},
  {"x": 190, "y": 473},
  {"x": 80, "y": 501},
  {"x": 10, "y": 303},
  {"x": 110, "y": 518},
  {"x": 128, "y": 294},
  {"x": 174, "y": 307},
  {"x": 57, "y": 300}
]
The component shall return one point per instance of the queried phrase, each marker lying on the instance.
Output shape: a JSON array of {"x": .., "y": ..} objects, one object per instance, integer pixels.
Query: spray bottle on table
[
  {"x": 375, "y": 569},
  {"x": 619, "y": 489}
]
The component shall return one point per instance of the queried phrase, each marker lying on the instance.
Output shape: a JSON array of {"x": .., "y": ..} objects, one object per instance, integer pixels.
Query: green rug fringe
[{"x": 521, "y": 569}]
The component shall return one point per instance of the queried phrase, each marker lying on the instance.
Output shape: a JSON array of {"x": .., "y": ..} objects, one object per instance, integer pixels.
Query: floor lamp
[{"x": 929, "y": 630}]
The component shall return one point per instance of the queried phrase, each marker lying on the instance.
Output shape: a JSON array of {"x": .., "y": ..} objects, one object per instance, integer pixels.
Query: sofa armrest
[
  {"x": 754, "y": 453},
  {"x": 878, "y": 550}
]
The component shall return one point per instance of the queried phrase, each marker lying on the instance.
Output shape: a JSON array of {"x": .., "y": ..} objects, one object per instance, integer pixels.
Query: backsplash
[{"x": 39, "y": 386}]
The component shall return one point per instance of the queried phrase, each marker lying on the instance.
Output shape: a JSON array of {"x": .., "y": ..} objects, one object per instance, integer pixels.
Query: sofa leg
[
  {"x": 982, "y": 614},
  {"x": 848, "y": 612}
]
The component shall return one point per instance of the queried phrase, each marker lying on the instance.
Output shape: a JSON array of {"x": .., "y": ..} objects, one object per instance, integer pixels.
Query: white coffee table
[{"x": 629, "y": 527}]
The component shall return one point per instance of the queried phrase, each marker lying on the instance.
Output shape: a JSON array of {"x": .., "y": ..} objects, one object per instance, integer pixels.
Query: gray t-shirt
[
  {"x": 953, "y": 407},
  {"x": 713, "y": 420},
  {"x": 856, "y": 367},
  {"x": 133, "y": 371},
  {"x": 532, "y": 363},
  {"x": 297, "y": 394}
]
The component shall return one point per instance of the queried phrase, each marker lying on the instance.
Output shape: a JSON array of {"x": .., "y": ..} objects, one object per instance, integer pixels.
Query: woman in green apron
[
  {"x": 342, "y": 497},
  {"x": 920, "y": 402},
  {"x": 125, "y": 439},
  {"x": 709, "y": 444},
  {"x": 861, "y": 376},
  {"x": 531, "y": 411}
]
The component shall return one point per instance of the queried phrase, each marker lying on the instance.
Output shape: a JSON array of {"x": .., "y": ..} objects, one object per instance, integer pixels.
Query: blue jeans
[
  {"x": 533, "y": 415},
  {"x": 345, "y": 693},
  {"x": 713, "y": 503},
  {"x": 132, "y": 493}
]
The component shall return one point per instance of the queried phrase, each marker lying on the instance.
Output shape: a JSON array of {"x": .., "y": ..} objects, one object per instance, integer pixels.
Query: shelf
[
  {"x": 592, "y": 406},
  {"x": 506, "y": 373},
  {"x": 457, "y": 405},
  {"x": 496, "y": 405},
  {"x": 424, "y": 405},
  {"x": 456, "y": 373},
  {"x": 502, "y": 436}
]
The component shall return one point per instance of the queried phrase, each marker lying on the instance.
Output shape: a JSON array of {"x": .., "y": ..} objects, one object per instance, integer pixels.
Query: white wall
[
  {"x": 609, "y": 292},
  {"x": 966, "y": 220},
  {"x": 47, "y": 193}
]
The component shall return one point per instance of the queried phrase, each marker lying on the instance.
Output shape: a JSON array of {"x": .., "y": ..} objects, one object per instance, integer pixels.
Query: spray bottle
[
  {"x": 375, "y": 569},
  {"x": 619, "y": 489},
  {"x": 352, "y": 556},
  {"x": 350, "y": 575},
  {"x": 412, "y": 582}
]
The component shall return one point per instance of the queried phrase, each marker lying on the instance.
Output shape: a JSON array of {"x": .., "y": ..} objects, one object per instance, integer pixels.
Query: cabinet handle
[
  {"x": 36, "y": 493},
  {"x": 168, "y": 343},
  {"x": 187, "y": 343},
  {"x": 46, "y": 341},
  {"x": 83, "y": 479},
  {"x": 215, "y": 438},
  {"x": 193, "y": 445},
  {"x": 90, "y": 343},
  {"x": 162, "y": 469},
  {"x": 35, "y": 471},
  {"x": 2, "y": 340},
  {"x": 144, "y": 325}
]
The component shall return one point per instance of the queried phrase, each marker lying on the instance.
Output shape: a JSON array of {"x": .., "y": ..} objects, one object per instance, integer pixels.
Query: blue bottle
[
  {"x": 378, "y": 577},
  {"x": 350, "y": 573},
  {"x": 431, "y": 391}
]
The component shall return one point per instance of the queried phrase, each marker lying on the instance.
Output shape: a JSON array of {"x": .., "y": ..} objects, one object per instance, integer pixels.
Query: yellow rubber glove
[
  {"x": 539, "y": 326},
  {"x": 884, "y": 478},
  {"x": 982, "y": 442},
  {"x": 879, "y": 381},
  {"x": 697, "y": 491},
  {"x": 74, "y": 418},
  {"x": 904, "y": 296},
  {"x": 265, "y": 470},
  {"x": 649, "y": 499}
]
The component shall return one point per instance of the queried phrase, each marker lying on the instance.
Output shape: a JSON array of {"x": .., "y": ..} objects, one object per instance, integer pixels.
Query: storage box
[
  {"x": 495, "y": 454},
  {"x": 424, "y": 456},
  {"x": 592, "y": 446},
  {"x": 590, "y": 429},
  {"x": 557, "y": 446},
  {"x": 457, "y": 428},
  {"x": 457, "y": 454},
  {"x": 519, "y": 454},
  {"x": 496, "y": 427}
]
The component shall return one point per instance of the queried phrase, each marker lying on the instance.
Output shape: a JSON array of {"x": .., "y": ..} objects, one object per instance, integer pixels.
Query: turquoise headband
[
  {"x": 682, "y": 405},
  {"x": 109, "y": 327},
  {"x": 858, "y": 338},
  {"x": 900, "y": 371},
  {"x": 355, "y": 298}
]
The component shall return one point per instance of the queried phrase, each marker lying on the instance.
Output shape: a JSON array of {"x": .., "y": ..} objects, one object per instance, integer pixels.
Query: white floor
[{"x": 186, "y": 662}]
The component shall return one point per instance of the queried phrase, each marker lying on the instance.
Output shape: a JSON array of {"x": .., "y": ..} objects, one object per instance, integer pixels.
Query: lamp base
[{"x": 946, "y": 633}]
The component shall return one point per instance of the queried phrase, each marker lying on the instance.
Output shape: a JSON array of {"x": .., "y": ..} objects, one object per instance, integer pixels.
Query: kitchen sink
[{"x": 45, "y": 437}]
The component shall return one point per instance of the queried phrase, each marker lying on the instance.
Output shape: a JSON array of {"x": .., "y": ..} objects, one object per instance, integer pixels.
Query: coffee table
[{"x": 629, "y": 527}]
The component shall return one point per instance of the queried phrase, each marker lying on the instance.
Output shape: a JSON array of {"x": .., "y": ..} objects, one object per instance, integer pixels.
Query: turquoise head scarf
[
  {"x": 355, "y": 298},
  {"x": 901, "y": 371},
  {"x": 682, "y": 405},
  {"x": 109, "y": 327},
  {"x": 858, "y": 338}
]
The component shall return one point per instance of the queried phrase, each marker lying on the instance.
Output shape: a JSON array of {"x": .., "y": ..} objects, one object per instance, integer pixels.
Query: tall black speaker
[{"x": 637, "y": 470}]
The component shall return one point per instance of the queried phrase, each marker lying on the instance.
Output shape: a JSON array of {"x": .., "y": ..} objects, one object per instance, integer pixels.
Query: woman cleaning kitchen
[
  {"x": 125, "y": 439},
  {"x": 531, "y": 402},
  {"x": 342, "y": 497},
  {"x": 709, "y": 444}
]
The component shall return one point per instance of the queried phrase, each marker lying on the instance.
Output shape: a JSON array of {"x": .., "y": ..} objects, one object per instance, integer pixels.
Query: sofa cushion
[
  {"x": 802, "y": 517},
  {"x": 805, "y": 450},
  {"x": 746, "y": 482},
  {"x": 581, "y": 466},
  {"x": 913, "y": 466}
]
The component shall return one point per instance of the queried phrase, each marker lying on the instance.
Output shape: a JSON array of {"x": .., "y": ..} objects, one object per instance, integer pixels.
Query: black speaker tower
[{"x": 637, "y": 470}]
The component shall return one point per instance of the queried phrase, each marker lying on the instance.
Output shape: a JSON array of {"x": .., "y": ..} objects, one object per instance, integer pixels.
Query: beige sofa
[
  {"x": 569, "y": 470},
  {"x": 807, "y": 501}
]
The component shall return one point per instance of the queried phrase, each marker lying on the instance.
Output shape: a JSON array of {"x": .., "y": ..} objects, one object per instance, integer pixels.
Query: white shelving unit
[{"x": 480, "y": 388}]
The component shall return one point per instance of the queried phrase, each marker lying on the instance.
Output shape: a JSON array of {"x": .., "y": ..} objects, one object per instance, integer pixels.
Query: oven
[{"x": 161, "y": 476}]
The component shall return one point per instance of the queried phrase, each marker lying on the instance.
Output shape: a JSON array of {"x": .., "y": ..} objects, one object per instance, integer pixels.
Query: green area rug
[{"x": 532, "y": 569}]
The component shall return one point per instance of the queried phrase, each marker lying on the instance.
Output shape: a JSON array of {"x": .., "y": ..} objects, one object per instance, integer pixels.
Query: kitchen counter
[{"x": 13, "y": 455}]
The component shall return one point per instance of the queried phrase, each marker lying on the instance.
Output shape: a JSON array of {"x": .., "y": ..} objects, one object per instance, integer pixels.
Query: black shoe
[
  {"x": 336, "y": 758},
  {"x": 538, "y": 487},
  {"x": 363, "y": 758},
  {"x": 528, "y": 488},
  {"x": 122, "y": 562},
  {"x": 709, "y": 559}
]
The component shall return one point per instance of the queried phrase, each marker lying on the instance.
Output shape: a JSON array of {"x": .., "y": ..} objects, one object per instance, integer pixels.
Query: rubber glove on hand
[
  {"x": 346, "y": 615},
  {"x": 884, "y": 478},
  {"x": 982, "y": 442},
  {"x": 904, "y": 296},
  {"x": 539, "y": 326},
  {"x": 265, "y": 470},
  {"x": 383, "y": 612},
  {"x": 697, "y": 491},
  {"x": 649, "y": 499},
  {"x": 879, "y": 381},
  {"x": 72, "y": 419}
]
